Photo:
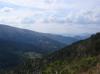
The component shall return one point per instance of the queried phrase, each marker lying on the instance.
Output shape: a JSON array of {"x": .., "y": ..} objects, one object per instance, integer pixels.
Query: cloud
[
  {"x": 55, "y": 4},
  {"x": 54, "y": 16},
  {"x": 87, "y": 17},
  {"x": 6, "y": 10},
  {"x": 13, "y": 16},
  {"x": 28, "y": 20},
  {"x": 41, "y": 4}
]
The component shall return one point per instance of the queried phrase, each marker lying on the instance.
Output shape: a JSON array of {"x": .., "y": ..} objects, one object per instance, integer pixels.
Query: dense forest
[{"x": 82, "y": 57}]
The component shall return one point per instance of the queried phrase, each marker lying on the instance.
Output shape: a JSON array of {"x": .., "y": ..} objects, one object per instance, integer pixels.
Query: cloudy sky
[{"x": 70, "y": 17}]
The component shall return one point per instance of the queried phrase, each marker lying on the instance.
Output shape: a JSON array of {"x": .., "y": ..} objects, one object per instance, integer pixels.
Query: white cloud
[
  {"x": 13, "y": 16},
  {"x": 54, "y": 16},
  {"x": 42, "y": 4},
  {"x": 54, "y": 4}
]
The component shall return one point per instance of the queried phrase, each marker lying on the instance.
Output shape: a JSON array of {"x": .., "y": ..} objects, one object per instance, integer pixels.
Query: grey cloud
[
  {"x": 27, "y": 21},
  {"x": 88, "y": 17}
]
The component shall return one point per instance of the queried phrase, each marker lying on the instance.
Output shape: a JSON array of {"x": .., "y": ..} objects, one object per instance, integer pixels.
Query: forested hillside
[
  {"x": 82, "y": 57},
  {"x": 15, "y": 42}
]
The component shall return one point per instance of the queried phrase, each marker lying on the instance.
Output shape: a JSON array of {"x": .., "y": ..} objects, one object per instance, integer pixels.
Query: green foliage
[
  {"x": 82, "y": 57},
  {"x": 76, "y": 58}
]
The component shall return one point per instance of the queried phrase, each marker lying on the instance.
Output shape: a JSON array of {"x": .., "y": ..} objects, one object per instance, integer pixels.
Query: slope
[
  {"x": 82, "y": 57},
  {"x": 63, "y": 39}
]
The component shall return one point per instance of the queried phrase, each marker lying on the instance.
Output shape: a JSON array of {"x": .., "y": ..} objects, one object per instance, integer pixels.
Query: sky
[{"x": 65, "y": 17}]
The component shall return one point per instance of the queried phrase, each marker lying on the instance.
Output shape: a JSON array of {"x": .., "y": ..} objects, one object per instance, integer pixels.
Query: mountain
[
  {"x": 63, "y": 39},
  {"x": 82, "y": 57},
  {"x": 82, "y": 36},
  {"x": 43, "y": 42},
  {"x": 14, "y": 42},
  {"x": 34, "y": 39}
]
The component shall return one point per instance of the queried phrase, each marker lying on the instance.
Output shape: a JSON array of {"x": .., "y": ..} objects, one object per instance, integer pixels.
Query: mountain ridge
[
  {"x": 79, "y": 58},
  {"x": 15, "y": 42}
]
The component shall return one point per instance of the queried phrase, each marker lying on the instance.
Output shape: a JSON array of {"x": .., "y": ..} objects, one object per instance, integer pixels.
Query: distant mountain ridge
[
  {"x": 29, "y": 37},
  {"x": 63, "y": 39},
  {"x": 35, "y": 38}
]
